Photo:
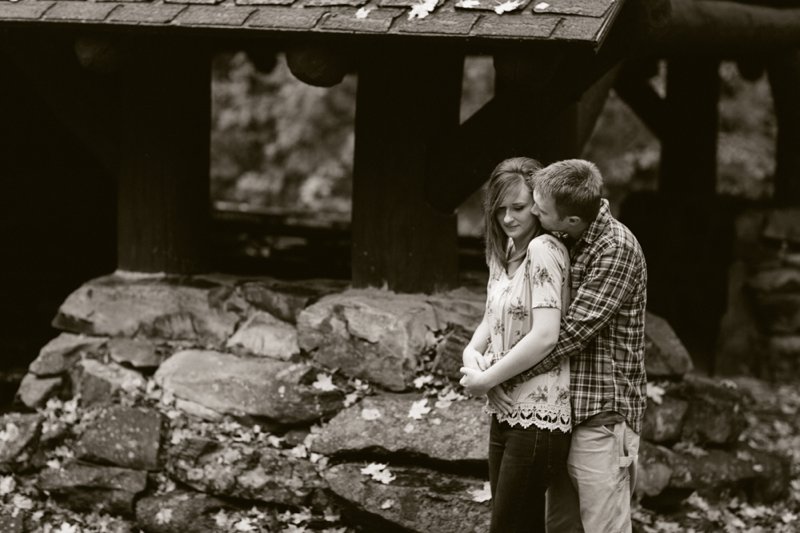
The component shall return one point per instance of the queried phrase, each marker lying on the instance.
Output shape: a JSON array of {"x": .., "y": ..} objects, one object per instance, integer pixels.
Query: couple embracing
[{"x": 560, "y": 351}]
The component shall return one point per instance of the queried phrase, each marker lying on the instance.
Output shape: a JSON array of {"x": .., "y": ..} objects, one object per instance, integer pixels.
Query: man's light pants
[{"x": 594, "y": 494}]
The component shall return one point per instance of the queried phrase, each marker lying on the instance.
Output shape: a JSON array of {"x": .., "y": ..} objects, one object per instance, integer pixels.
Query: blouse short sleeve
[{"x": 548, "y": 266}]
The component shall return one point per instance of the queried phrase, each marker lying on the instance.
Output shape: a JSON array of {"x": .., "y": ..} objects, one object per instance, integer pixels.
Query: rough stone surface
[
  {"x": 458, "y": 313},
  {"x": 766, "y": 476},
  {"x": 119, "y": 307},
  {"x": 382, "y": 424},
  {"x": 252, "y": 386},
  {"x": 100, "y": 383},
  {"x": 239, "y": 471},
  {"x": 664, "y": 422},
  {"x": 715, "y": 414},
  {"x": 138, "y": 353},
  {"x": 34, "y": 392},
  {"x": 783, "y": 225},
  {"x": 665, "y": 355},
  {"x": 778, "y": 312},
  {"x": 19, "y": 434},
  {"x": 12, "y": 521},
  {"x": 369, "y": 334},
  {"x": 129, "y": 437},
  {"x": 88, "y": 487},
  {"x": 263, "y": 334},
  {"x": 420, "y": 500},
  {"x": 654, "y": 470},
  {"x": 58, "y": 355},
  {"x": 776, "y": 280},
  {"x": 189, "y": 512},
  {"x": 285, "y": 300}
]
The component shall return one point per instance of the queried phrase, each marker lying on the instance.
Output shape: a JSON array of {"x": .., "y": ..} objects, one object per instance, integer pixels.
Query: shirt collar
[{"x": 597, "y": 226}]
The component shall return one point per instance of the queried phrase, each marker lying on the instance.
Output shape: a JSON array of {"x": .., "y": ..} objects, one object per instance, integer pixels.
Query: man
[{"x": 603, "y": 335}]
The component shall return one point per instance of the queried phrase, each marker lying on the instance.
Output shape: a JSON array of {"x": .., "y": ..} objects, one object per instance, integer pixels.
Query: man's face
[{"x": 544, "y": 207}]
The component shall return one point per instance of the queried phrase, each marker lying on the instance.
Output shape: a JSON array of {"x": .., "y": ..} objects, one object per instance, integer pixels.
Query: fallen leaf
[
  {"x": 370, "y": 414},
  {"x": 483, "y": 494},
  {"x": 418, "y": 409},
  {"x": 362, "y": 13},
  {"x": 324, "y": 382},
  {"x": 655, "y": 393},
  {"x": 164, "y": 516},
  {"x": 508, "y": 5}
]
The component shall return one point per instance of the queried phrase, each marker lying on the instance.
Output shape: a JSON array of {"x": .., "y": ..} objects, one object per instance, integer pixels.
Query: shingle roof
[{"x": 583, "y": 22}]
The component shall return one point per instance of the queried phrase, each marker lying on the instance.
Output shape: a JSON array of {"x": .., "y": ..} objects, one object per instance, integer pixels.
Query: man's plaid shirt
[{"x": 603, "y": 330}]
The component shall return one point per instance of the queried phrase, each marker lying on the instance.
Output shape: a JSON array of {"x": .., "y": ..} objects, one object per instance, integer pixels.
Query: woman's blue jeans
[{"x": 522, "y": 464}]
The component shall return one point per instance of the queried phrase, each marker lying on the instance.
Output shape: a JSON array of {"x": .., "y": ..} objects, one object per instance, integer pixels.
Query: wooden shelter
[{"x": 131, "y": 80}]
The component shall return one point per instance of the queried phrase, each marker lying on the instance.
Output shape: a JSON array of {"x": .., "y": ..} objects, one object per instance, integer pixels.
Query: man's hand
[
  {"x": 500, "y": 400},
  {"x": 474, "y": 381},
  {"x": 472, "y": 358}
]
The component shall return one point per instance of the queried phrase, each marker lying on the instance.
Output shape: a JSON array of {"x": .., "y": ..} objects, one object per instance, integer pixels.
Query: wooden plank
[
  {"x": 689, "y": 145},
  {"x": 583, "y": 8},
  {"x": 406, "y": 100},
  {"x": 784, "y": 78},
  {"x": 444, "y": 23},
  {"x": 373, "y": 20},
  {"x": 24, "y": 10},
  {"x": 213, "y": 16},
  {"x": 79, "y": 11},
  {"x": 145, "y": 13},
  {"x": 524, "y": 25},
  {"x": 286, "y": 19},
  {"x": 164, "y": 169}
]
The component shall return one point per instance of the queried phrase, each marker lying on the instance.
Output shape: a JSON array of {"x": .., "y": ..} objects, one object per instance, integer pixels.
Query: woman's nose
[{"x": 507, "y": 216}]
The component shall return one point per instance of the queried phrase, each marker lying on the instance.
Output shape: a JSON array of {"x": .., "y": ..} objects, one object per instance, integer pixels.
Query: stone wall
[
  {"x": 206, "y": 403},
  {"x": 760, "y": 332}
]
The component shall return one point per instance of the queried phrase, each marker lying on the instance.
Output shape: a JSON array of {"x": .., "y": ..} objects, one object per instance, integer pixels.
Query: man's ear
[{"x": 574, "y": 220}]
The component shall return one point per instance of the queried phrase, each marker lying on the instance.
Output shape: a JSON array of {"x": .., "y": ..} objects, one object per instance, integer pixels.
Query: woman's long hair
[{"x": 509, "y": 173}]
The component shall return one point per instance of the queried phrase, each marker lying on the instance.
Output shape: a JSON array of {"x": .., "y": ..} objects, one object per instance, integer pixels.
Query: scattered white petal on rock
[
  {"x": 655, "y": 393},
  {"x": 505, "y": 7},
  {"x": 370, "y": 414},
  {"x": 467, "y": 4},
  {"x": 418, "y": 409},
  {"x": 423, "y": 9},
  {"x": 164, "y": 516},
  {"x": 422, "y": 381},
  {"x": 362, "y": 13},
  {"x": 388, "y": 504},
  {"x": 483, "y": 494},
  {"x": 541, "y": 6},
  {"x": 324, "y": 383}
]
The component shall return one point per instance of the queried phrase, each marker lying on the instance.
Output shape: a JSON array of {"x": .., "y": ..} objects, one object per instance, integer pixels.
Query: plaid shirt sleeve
[{"x": 607, "y": 284}]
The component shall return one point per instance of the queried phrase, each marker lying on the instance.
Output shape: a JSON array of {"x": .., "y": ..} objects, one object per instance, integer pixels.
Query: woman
[{"x": 526, "y": 293}]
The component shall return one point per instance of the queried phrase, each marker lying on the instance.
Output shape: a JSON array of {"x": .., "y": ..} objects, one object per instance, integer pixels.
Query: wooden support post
[
  {"x": 405, "y": 102},
  {"x": 784, "y": 78},
  {"x": 689, "y": 142},
  {"x": 164, "y": 168}
]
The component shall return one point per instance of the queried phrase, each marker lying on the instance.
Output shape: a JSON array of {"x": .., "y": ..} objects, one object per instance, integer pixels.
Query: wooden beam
[
  {"x": 784, "y": 77},
  {"x": 86, "y": 106},
  {"x": 717, "y": 27},
  {"x": 535, "y": 96},
  {"x": 406, "y": 101},
  {"x": 689, "y": 143},
  {"x": 164, "y": 168},
  {"x": 634, "y": 88}
]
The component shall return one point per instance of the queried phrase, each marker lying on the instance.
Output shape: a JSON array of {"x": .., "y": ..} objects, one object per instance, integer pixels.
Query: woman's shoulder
[{"x": 548, "y": 242}]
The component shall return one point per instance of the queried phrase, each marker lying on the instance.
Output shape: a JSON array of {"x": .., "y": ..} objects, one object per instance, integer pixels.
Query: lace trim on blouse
[{"x": 543, "y": 416}]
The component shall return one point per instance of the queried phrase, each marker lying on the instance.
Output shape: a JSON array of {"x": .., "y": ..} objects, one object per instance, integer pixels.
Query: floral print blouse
[{"x": 542, "y": 280}]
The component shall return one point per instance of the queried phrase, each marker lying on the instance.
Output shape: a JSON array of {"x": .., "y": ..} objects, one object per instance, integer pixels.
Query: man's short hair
[{"x": 575, "y": 185}]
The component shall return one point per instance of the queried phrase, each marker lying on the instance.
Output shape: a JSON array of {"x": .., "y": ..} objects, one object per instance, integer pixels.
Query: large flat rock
[
  {"x": 370, "y": 334},
  {"x": 242, "y": 471},
  {"x": 665, "y": 354},
  {"x": 86, "y": 487},
  {"x": 455, "y": 431},
  {"x": 255, "y": 386},
  {"x": 129, "y": 437},
  {"x": 417, "y": 499},
  {"x": 116, "y": 306}
]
